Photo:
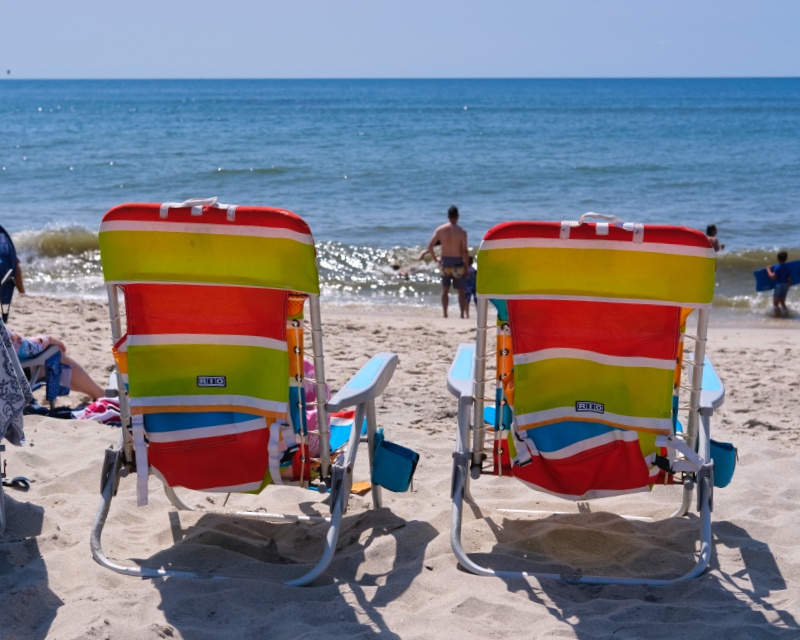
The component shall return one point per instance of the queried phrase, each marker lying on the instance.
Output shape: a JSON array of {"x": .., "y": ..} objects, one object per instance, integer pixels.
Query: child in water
[
  {"x": 780, "y": 274},
  {"x": 470, "y": 278}
]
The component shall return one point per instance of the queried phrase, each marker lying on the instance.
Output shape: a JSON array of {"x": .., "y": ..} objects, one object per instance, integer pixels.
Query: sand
[{"x": 395, "y": 575}]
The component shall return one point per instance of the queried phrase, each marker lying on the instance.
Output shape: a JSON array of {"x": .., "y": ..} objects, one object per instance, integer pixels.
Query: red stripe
[
  {"x": 655, "y": 233},
  {"x": 245, "y": 216},
  {"x": 626, "y": 330},
  {"x": 209, "y": 463},
  {"x": 616, "y": 466},
  {"x": 199, "y": 309}
]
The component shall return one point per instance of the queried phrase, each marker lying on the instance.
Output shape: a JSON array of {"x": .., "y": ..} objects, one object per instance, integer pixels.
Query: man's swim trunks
[{"x": 452, "y": 272}]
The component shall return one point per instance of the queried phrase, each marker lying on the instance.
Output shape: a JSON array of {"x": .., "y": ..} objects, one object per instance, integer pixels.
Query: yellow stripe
[
  {"x": 172, "y": 370},
  {"x": 628, "y": 391},
  {"x": 147, "y": 256},
  {"x": 601, "y": 273}
]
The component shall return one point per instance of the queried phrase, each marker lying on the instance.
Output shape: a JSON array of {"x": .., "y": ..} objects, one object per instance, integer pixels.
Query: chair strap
[
  {"x": 274, "y": 458},
  {"x": 142, "y": 467}
]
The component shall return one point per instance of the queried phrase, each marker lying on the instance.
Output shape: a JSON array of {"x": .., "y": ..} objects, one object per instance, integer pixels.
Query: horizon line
[{"x": 410, "y": 78}]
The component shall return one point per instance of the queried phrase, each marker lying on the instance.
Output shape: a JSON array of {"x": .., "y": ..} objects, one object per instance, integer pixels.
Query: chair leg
[
  {"x": 340, "y": 491},
  {"x": 460, "y": 477},
  {"x": 372, "y": 427},
  {"x": 97, "y": 531},
  {"x": 330, "y": 545}
]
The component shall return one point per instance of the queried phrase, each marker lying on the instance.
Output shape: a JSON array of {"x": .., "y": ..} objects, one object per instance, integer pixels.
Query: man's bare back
[
  {"x": 454, "y": 258},
  {"x": 453, "y": 240}
]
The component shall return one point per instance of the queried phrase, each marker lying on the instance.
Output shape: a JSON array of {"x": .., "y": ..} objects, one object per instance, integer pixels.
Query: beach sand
[{"x": 395, "y": 575}]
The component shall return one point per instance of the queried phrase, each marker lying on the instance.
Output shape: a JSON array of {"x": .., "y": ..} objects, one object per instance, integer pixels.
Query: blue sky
[{"x": 400, "y": 39}]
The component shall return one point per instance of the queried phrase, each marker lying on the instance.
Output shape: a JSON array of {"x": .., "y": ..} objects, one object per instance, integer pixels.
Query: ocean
[{"x": 373, "y": 166}]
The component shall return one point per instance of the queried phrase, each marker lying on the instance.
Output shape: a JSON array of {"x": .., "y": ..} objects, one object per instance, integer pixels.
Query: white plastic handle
[
  {"x": 636, "y": 228},
  {"x": 196, "y": 202},
  {"x": 197, "y": 205},
  {"x": 601, "y": 216}
]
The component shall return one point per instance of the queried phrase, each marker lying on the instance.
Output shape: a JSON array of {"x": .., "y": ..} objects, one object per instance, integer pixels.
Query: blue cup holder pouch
[
  {"x": 724, "y": 455},
  {"x": 393, "y": 466}
]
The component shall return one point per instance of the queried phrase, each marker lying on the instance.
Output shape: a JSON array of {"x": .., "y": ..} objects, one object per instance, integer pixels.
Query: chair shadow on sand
[
  {"x": 378, "y": 556},
  {"x": 29, "y": 606},
  {"x": 607, "y": 544}
]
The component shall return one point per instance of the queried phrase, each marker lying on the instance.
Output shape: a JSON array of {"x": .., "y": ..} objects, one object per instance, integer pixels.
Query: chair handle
[
  {"x": 636, "y": 228},
  {"x": 601, "y": 216},
  {"x": 197, "y": 205},
  {"x": 197, "y": 202}
]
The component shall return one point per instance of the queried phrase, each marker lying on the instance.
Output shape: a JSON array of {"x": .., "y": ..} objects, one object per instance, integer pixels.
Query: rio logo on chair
[
  {"x": 593, "y": 407},
  {"x": 211, "y": 381}
]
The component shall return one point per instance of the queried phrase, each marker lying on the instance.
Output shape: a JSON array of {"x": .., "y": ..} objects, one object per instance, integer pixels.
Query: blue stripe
[
  {"x": 166, "y": 422},
  {"x": 557, "y": 436},
  {"x": 711, "y": 381},
  {"x": 366, "y": 375},
  {"x": 340, "y": 434},
  {"x": 462, "y": 367}
]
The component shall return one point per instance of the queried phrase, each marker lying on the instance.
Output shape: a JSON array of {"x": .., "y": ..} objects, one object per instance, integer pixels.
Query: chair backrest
[
  {"x": 8, "y": 271},
  {"x": 206, "y": 290},
  {"x": 595, "y": 312}
]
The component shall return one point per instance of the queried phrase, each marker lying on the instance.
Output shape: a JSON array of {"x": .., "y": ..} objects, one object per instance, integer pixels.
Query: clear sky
[{"x": 398, "y": 38}]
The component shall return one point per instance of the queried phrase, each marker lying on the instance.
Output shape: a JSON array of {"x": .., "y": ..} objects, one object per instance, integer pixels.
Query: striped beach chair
[
  {"x": 209, "y": 346},
  {"x": 591, "y": 321}
]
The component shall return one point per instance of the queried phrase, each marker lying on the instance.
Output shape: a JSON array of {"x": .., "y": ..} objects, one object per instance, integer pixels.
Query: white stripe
[
  {"x": 179, "y": 435},
  {"x": 599, "y": 358},
  {"x": 546, "y": 296},
  {"x": 590, "y": 443},
  {"x": 207, "y": 229},
  {"x": 569, "y": 413},
  {"x": 210, "y": 401},
  {"x": 615, "y": 245},
  {"x": 150, "y": 340},
  {"x": 341, "y": 422},
  {"x": 123, "y": 283}
]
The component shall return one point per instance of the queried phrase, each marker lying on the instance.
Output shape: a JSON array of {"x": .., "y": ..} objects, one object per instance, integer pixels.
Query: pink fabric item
[
  {"x": 311, "y": 412},
  {"x": 105, "y": 410},
  {"x": 311, "y": 396}
]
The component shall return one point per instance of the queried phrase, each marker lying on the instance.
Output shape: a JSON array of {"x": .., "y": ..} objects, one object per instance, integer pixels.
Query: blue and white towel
[{"x": 15, "y": 392}]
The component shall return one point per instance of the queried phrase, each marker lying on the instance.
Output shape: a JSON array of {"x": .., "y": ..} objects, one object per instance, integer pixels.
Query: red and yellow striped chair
[
  {"x": 590, "y": 332},
  {"x": 210, "y": 361}
]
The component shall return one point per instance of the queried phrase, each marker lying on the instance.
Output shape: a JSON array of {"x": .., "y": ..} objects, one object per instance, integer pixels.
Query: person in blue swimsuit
[
  {"x": 783, "y": 280},
  {"x": 470, "y": 280}
]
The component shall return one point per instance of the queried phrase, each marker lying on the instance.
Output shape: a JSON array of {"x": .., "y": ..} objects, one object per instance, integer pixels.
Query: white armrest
[
  {"x": 459, "y": 377},
  {"x": 713, "y": 393},
  {"x": 367, "y": 384}
]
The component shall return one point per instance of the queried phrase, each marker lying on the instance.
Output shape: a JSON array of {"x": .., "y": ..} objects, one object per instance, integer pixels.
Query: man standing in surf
[{"x": 453, "y": 261}]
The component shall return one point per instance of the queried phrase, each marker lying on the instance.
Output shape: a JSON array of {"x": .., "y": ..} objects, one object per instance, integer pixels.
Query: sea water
[{"x": 373, "y": 165}]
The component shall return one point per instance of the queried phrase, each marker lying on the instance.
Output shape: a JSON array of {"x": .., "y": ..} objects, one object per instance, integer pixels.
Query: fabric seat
[{"x": 591, "y": 320}]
